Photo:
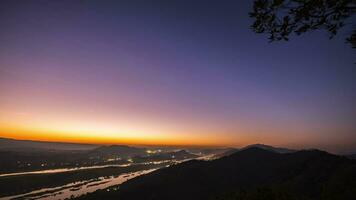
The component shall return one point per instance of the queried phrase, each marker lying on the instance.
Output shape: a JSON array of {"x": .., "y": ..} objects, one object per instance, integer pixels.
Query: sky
[{"x": 170, "y": 73}]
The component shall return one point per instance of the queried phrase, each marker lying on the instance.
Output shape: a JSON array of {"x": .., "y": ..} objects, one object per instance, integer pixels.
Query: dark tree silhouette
[{"x": 280, "y": 18}]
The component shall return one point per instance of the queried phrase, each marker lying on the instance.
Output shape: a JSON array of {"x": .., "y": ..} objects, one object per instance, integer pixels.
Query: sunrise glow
[{"x": 101, "y": 75}]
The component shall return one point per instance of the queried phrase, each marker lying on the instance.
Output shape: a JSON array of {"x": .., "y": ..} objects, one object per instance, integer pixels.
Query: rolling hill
[
  {"x": 250, "y": 174},
  {"x": 7, "y": 144}
]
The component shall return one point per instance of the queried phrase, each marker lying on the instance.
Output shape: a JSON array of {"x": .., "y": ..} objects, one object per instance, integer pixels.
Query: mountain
[
  {"x": 7, "y": 144},
  {"x": 250, "y": 174},
  {"x": 27, "y": 155},
  {"x": 352, "y": 156},
  {"x": 208, "y": 151},
  {"x": 122, "y": 151},
  {"x": 261, "y": 146},
  {"x": 175, "y": 155},
  {"x": 270, "y": 148},
  {"x": 22, "y": 155}
]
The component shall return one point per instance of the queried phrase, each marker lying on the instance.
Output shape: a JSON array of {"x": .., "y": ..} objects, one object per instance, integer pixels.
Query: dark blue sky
[{"x": 163, "y": 71}]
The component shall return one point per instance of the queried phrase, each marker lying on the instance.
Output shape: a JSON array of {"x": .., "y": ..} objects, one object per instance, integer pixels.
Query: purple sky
[{"x": 178, "y": 72}]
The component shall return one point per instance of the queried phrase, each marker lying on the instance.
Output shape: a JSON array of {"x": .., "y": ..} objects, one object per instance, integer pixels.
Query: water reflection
[
  {"x": 51, "y": 171},
  {"x": 78, "y": 188}
]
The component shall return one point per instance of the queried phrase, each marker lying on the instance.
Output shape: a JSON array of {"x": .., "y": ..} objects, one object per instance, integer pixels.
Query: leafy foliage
[{"x": 281, "y": 18}]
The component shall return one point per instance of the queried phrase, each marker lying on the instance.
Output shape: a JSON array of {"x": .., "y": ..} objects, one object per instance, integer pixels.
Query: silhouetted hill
[
  {"x": 122, "y": 151},
  {"x": 182, "y": 154},
  {"x": 19, "y": 156},
  {"x": 270, "y": 148},
  {"x": 252, "y": 173},
  {"x": 209, "y": 151},
  {"x": 28, "y": 145},
  {"x": 175, "y": 155},
  {"x": 261, "y": 146},
  {"x": 352, "y": 156}
]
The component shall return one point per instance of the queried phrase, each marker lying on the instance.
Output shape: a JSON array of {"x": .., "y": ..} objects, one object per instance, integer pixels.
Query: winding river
[{"x": 78, "y": 188}]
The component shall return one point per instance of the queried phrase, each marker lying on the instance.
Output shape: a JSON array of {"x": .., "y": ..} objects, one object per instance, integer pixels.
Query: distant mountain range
[
  {"x": 122, "y": 151},
  {"x": 253, "y": 173},
  {"x": 20, "y": 155},
  {"x": 270, "y": 148},
  {"x": 174, "y": 155},
  {"x": 352, "y": 156},
  {"x": 28, "y": 145},
  {"x": 261, "y": 146}
]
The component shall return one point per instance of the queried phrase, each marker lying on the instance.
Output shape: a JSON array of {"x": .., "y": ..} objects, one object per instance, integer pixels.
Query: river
[{"x": 78, "y": 188}]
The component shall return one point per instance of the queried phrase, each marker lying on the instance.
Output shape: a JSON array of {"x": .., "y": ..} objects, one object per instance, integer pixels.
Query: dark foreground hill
[{"x": 250, "y": 174}]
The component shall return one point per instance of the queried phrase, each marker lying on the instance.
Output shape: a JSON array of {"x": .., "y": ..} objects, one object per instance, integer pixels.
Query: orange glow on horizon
[
  {"x": 59, "y": 127},
  {"x": 84, "y": 138},
  {"x": 190, "y": 139}
]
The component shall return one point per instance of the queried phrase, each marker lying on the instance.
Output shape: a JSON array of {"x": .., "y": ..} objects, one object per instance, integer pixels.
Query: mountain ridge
[
  {"x": 301, "y": 174},
  {"x": 19, "y": 145}
]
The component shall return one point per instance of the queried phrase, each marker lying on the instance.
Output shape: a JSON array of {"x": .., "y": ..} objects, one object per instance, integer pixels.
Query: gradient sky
[{"x": 170, "y": 72}]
